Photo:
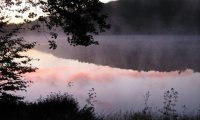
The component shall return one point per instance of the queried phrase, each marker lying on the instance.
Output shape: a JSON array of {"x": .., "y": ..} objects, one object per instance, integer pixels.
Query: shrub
[{"x": 53, "y": 107}]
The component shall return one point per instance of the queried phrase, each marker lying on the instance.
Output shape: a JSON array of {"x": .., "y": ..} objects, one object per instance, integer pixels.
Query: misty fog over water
[
  {"x": 121, "y": 69},
  {"x": 138, "y": 52}
]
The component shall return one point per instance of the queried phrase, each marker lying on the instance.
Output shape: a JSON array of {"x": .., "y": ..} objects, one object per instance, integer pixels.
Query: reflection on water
[
  {"x": 115, "y": 87},
  {"x": 158, "y": 53}
]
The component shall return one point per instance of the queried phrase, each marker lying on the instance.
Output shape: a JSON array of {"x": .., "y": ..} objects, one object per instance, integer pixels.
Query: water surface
[{"x": 121, "y": 70}]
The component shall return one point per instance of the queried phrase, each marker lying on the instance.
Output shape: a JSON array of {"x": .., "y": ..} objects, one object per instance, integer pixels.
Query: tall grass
[{"x": 168, "y": 112}]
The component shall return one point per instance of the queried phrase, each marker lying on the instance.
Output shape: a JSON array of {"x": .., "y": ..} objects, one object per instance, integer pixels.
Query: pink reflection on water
[{"x": 113, "y": 86}]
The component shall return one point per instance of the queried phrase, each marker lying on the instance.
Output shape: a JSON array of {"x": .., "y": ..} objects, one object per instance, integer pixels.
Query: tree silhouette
[
  {"x": 79, "y": 19},
  {"x": 12, "y": 63}
]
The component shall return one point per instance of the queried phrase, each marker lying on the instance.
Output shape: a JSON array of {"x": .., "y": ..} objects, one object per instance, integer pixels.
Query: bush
[{"x": 54, "y": 107}]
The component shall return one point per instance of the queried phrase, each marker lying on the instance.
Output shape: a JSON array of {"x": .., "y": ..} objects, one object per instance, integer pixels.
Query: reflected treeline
[
  {"x": 143, "y": 53},
  {"x": 154, "y": 16}
]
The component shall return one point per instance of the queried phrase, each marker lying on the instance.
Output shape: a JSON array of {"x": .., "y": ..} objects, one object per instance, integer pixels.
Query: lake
[{"x": 121, "y": 69}]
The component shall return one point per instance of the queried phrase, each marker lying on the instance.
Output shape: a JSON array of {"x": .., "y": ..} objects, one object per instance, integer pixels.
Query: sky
[
  {"x": 105, "y": 1},
  {"x": 37, "y": 10}
]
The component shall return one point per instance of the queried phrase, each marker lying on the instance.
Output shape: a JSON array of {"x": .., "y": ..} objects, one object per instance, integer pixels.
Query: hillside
[{"x": 154, "y": 16}]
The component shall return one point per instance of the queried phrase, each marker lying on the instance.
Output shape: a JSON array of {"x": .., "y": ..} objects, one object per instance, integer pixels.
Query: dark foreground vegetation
[
  {"x": 65, "y": 107},
  {"x": 54, "y": 107}
]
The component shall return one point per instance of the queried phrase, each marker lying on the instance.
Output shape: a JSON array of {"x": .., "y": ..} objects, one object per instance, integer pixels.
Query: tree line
[{"x": 154, "y": 16}]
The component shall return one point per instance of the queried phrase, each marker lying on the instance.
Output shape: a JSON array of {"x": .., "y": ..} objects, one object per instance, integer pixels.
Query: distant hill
[{"x": 154, "y": 16}]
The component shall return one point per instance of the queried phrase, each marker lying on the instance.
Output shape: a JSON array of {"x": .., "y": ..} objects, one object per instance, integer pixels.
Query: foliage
[
  {"x": 170, "y": 100},
  {"x": 147, "y": 108},
  {"x": 65, "y": 107},
  {"x": 91, "y": 97},
  {"x": 168, "y": 113},
  {"x": 80, "y": 19},
  {"x": 54, "y": 107},
  {"x": 12, "y": 63}
]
